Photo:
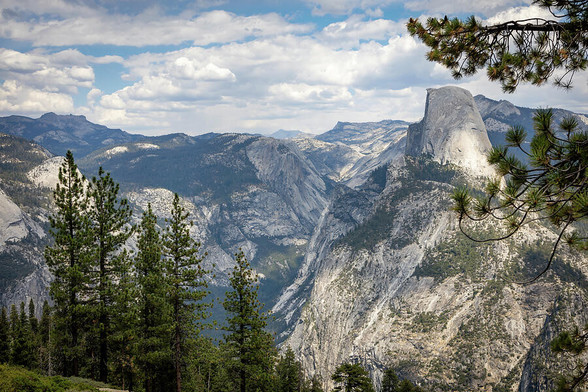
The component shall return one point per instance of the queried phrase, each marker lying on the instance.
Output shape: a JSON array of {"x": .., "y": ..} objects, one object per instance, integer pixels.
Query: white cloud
[
  {"x": 480, "y": 7},
  {"x": 148, "y": 28},
  {"x": 520, "y": 13},
  {"x": 345, "y": 7},
  {"x": 16, "y": 98},
  {"x": 63, "y": 71}
]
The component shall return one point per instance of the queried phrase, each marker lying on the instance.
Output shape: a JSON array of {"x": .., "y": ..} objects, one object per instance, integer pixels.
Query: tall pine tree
[
  {"x": 249, "y": 344},
  {"x": 187, "y": 283},
  {"x": 154, "y": 309},
  {"x": 68, "y": 259},
  {"x": 110, "y": 226},
  {"x": 4, "y": 337}
]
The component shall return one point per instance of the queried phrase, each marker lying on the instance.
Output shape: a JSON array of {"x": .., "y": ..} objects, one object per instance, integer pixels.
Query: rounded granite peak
[{"x": 452, "y": 131}]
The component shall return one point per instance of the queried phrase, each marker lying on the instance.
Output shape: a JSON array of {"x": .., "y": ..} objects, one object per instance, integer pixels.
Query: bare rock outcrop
[{"x": 452, "y": 131}]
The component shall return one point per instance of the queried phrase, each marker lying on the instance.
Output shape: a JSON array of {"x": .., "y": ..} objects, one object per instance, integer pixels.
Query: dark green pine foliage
[
  {"x": 250, "y": 347},
  {"x": 313, "y": 385},
  {"x": 33, "y": 321},
  {"x": 530, "y": 50},
  {"x": 390, "y": 381},
  {"x": 352, "y": 378},
  {"x": 44, "y": 340},
  {"x": 14, "y": 322},
  {"x": 23, "y": 342},
  {"x": 154, "y": 308},
  {"x": 289, "y": 373},
  {"x": 187, "y": 284},
  {"x": 68, "y": 260},
  {"x": 124, "y": 334},
  {"x": 110, "y": 226},
  {"x": 4, "y": 337}
]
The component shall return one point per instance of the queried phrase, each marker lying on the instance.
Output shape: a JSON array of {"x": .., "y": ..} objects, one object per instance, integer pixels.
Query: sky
[{"x": 258, "y": 66}]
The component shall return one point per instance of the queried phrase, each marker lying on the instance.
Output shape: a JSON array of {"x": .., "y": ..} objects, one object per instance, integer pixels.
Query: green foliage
[
  {"x": 110, "y": 228},
  {"x": 154, "y": 311},
  {"x": 352, "y": 378},
  {"x": 4, "y": 337},
  {"x": 571, "y": 343},
  {"x": 529, "y": 50},
  {"x": 250, "y": 347},
  {"x": 289, "y": 373},
  {"x": 454, "y": 256},
  {"x": 68, "y": 259},
  {"x": 186, "y": 283},
  {"x": 16, "y": 379}
]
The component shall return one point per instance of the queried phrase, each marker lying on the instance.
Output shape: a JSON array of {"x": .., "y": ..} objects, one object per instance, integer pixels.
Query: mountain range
[{"x": 350, "y": 232}]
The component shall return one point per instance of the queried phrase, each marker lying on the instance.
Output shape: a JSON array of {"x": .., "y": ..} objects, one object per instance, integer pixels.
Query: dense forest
[{"x": 138, "y": 319}]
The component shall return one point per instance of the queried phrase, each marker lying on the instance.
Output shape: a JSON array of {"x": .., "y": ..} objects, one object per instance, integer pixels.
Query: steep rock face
[
  {"x": 12, "y": 226},
  {"x": 452, "y": 131},
  {"x": 406, "y": 289},
  {"x": 351, "y": 151}
]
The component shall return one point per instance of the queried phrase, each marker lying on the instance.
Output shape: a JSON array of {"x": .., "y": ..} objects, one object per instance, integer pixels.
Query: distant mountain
[
  {"x": 499, "y": 116},
  {"x": 284, "y": 134},
  {"x": 351, "y": 151},
  {"x": 59, "y": 133}
]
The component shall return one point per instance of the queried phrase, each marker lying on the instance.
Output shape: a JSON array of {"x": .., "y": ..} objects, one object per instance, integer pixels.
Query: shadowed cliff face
[{"x": 452, "y": 131}]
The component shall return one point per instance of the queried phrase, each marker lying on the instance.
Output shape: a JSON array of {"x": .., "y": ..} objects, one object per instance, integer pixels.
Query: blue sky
[{"x": 197, "y": 66}]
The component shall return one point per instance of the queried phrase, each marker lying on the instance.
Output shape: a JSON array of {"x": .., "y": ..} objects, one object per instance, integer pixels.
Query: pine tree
[
  {"x": 390, "y": 382},
  {"x": 187, "y": 283},
  {"x": 33, "y": 321},
  {"x": 249, "y": 344},
  {"x": 68, "y": 259},
  {"x": 45, "y": 363},
  {"x": 154, "y": 310},
  {"x": 313, "y": 385},
  {"x": 352, "y": 378},
  {"x": 530, "y": 50},
  {"x": 23, "y": 345},
  {"x": 289, "y": 372},
  {"x": 124, "y": 334},
  {"x": 110, "y": 226},
  {"x": 4, "y": 337}
]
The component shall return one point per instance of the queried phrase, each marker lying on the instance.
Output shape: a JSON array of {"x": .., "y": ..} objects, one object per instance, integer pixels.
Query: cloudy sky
[{"x": 196, "y": 66}]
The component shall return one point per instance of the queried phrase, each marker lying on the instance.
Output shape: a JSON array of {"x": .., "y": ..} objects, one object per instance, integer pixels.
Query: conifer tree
[
  {"x": 23, "y": 345},
  {"x": 289, "y": 372},
  {"x": 124, "y": 332},
  {"x": 45, "y": 363},
  {"x": 110, "y": 226},
  {"x": 248, "y": 343},
  {"x": 4, "y": 337},
  {"x": 352, "y": 378},
  {"x": 390, "y": 382},
  {"x": 529, "y": 50},
  {"x": 187, "y": 284},
  {"x": 68, "y": 259},
  {"x": 34, "y": 323},
  {"x": 154, "y": 311}
]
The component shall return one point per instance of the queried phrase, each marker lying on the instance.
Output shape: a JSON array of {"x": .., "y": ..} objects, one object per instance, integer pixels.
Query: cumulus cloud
[
  {"x": 58, "y": 72},
  {"x": 148, "y": 28},
  {"x": 16, "y": 98}
]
